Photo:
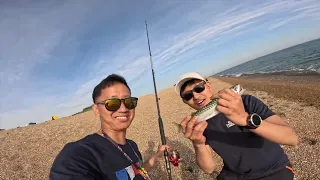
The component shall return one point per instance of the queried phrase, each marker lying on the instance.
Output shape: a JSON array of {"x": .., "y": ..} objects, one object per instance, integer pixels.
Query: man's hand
[
  {"x": 153, "y": 160},
  {"x": 231, "y": 105},
  {"x": 192, "y": 131},
  {"x": 204, "y": 155}
]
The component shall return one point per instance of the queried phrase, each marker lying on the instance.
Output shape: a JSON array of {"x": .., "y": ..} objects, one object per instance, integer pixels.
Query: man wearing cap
[{"x": 246, "y": 134}]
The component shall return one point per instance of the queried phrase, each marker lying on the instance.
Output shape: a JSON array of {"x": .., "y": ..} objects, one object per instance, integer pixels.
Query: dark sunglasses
[
  {"x": 115, "y": 104},
  {"x": 198, "y": 89}
]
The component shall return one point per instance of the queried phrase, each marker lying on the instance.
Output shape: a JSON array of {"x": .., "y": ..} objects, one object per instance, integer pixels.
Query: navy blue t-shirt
[
  {"x": 243, "y": 152},
  {"x": 95, "y": 158}
]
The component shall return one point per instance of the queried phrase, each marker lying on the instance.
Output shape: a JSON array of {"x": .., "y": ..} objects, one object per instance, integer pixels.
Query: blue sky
[{"x": 52, "y": 54}]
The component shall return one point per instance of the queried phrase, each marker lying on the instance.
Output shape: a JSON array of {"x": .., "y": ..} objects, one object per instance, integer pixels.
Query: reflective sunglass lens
[
  {"x": 131, "y": 103},
  {"x": 113, "y": 104}
]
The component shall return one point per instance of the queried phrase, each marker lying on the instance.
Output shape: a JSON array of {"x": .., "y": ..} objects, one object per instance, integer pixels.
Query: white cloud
[
  {"x": 307, "y": 9},
  {"x": 284, "y": 21},
  {"x": 34, "y": 39},
  {"x": 231, "y": 24}
]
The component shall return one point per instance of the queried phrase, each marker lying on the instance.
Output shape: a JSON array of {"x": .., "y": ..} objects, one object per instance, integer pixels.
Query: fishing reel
[{"x": 175, "y": 158}]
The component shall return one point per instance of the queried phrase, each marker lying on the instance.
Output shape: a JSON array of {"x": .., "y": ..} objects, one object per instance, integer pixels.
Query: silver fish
[{"x": 209, "y": 110}]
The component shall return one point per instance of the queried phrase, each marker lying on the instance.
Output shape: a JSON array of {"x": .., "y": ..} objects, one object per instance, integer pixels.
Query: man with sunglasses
[
  {"x": 246, "y": 134},
  {"x": 107, "y": 154}
]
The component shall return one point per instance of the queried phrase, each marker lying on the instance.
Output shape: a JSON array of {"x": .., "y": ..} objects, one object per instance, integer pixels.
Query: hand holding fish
[
  {"x": 192, "y": 131},
  {"x": 231, "y": 105}
]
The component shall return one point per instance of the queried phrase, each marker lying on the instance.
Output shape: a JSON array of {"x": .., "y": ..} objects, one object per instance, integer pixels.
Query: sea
[{"x": 301, "y": 59}]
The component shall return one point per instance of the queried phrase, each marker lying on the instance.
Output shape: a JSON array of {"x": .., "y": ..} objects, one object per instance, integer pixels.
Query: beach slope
[{"x": 28, "y": 152}]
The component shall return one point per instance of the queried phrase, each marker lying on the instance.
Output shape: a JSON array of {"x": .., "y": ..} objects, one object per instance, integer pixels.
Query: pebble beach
[{"x": 28, "y": 152}]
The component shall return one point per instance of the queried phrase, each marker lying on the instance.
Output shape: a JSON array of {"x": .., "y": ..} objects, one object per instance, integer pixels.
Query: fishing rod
[{"x": 163, "y": 138}]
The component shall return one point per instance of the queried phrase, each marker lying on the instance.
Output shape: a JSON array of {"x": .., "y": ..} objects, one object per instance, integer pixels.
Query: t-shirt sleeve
[
  {"x": 255, "y": 105},
  {"x": 73, "y": 162}
]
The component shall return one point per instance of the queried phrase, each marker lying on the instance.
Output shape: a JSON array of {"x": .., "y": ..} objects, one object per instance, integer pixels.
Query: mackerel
[{"x": 210, "y": 109}]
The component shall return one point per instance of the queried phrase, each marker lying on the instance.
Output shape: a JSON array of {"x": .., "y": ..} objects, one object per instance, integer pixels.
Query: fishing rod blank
[{"x": 163, "y": 138}]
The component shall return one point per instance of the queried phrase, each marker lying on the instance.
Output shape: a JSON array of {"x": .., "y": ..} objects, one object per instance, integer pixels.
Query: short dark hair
[{"x": 108, "y": 81}]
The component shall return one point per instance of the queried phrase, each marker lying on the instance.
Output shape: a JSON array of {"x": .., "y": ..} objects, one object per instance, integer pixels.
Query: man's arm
[
  {"x": 272, "y": 127},
  {"x": 276, "y": 130},
  {"x": 204, "y": 156}
]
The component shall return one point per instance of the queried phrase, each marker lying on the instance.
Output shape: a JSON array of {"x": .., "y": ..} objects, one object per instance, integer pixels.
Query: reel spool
[{"x": 175, "y": 158}]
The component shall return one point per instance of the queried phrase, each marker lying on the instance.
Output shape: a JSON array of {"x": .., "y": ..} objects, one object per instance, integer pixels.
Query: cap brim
[{"x": 181, "y": 82}]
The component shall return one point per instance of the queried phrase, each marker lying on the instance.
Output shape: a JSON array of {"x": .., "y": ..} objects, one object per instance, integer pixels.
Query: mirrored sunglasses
[
  {"x": 115, "y": 104},
  {"x": 198, "y": 89}
]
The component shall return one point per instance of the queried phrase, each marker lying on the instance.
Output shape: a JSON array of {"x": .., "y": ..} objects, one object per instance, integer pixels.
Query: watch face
[{"x": 256, "y": 119}]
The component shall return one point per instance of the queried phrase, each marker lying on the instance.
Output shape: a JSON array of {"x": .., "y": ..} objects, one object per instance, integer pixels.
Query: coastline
[{"x": 303, "y": 88}]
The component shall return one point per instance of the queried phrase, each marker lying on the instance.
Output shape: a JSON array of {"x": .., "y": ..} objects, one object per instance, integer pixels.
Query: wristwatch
[{"x": 253, "y": 121}]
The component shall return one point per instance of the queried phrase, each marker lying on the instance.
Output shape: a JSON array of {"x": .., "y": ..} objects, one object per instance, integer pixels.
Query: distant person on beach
[
  {"x": 246, "y": 134},
  {"x": 107, "y": 154}
]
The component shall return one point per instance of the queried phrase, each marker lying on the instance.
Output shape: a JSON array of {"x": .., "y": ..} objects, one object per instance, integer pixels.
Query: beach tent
[{"x": 55, "y": 118}]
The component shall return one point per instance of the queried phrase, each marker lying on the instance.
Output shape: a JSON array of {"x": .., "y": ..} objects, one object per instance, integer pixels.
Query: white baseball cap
[{"x": 186, "y": 77}]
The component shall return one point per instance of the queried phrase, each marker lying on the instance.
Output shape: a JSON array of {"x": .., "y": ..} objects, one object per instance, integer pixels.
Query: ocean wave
[{"x": 303, "y": 59}]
